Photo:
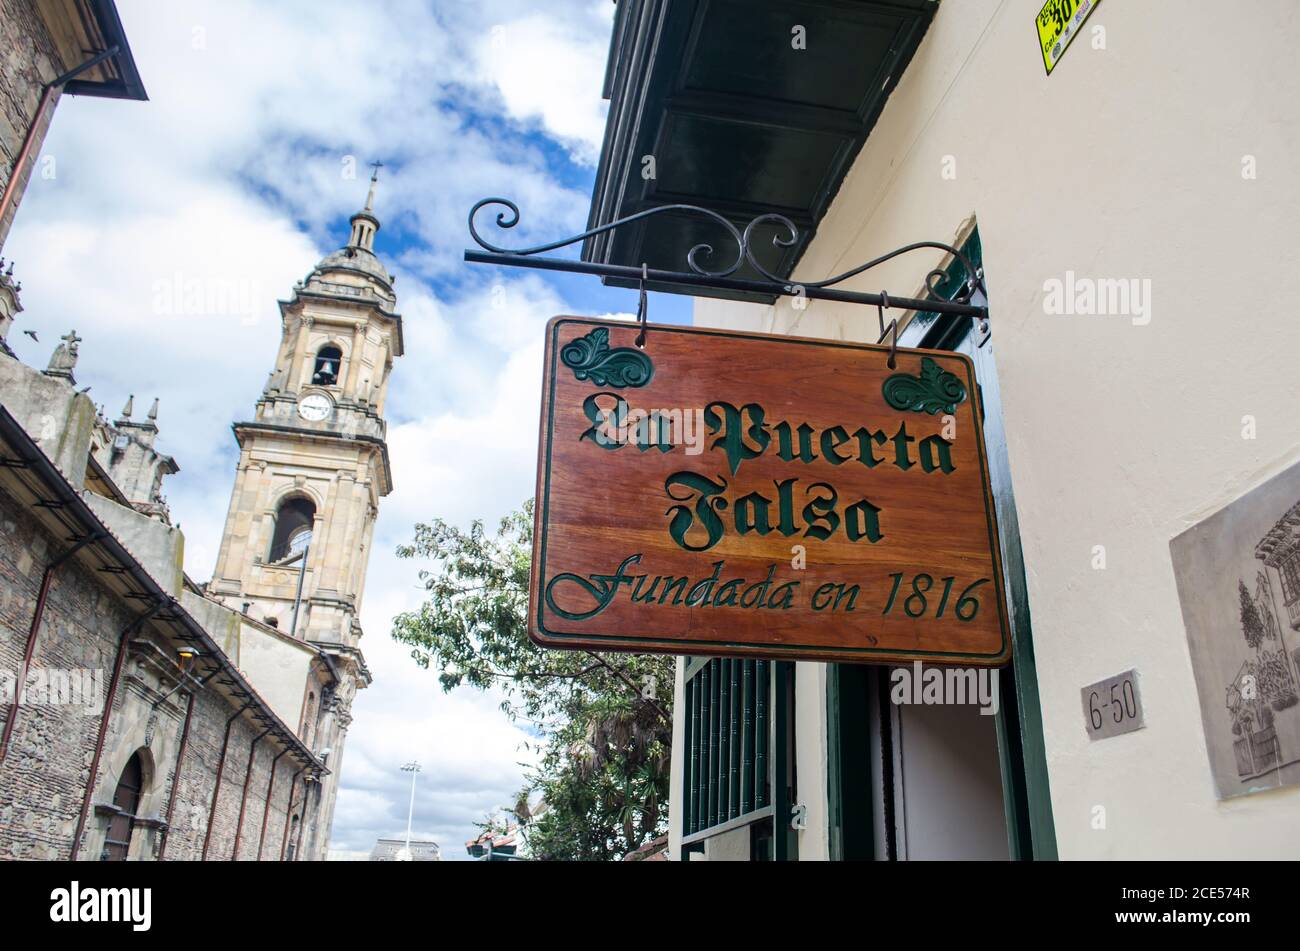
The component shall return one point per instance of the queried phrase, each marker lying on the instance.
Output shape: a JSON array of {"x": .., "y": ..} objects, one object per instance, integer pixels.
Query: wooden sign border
[{"x": 587, "y": 640}]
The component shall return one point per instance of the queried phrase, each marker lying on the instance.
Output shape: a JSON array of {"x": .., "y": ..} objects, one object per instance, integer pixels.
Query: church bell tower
[{"x": 313, "y": 465}]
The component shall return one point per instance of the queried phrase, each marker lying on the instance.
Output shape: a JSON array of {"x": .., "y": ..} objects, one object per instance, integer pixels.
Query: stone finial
[
  {"x": 153, "y": 411},
  {"x": 129, "y": 408},
  {"x": 10, "y": 304},
  {"x": 64, "y": 358}
]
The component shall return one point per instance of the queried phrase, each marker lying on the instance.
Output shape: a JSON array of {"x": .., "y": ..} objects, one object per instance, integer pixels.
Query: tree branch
[{"x": 635, "y": 689}]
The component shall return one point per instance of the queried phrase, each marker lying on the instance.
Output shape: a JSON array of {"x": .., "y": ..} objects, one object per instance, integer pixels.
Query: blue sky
[{"x": 239, "y": 175}]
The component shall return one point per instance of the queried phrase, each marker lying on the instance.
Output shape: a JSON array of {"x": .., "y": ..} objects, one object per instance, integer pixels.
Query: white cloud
[
  {"x": 173, "y": 226},
  {"x": 543, "y": 74}
]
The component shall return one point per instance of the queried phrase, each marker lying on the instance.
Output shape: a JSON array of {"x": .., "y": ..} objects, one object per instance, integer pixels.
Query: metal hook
[
  {"x": 641, "y": 307},
  {"x": 892, "y": 330}
]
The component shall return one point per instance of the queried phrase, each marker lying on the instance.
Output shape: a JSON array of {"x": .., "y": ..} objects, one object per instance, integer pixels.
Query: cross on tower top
[{"x": 370, "y": 199}]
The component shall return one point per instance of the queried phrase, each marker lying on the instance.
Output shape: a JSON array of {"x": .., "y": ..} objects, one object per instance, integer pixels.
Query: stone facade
[
  {"x": 139, "y": 718},
  {"x": 10, "y": 304},
  {"x": 56, "y": 728},
  {"x": 182, "y": 764},
  {"x": 125, "y": 450},
  {"x": 30, "y": 60}
]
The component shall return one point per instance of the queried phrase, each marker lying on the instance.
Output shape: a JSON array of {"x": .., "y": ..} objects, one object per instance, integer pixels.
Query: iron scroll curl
[
  {"x": 746, "y": 242},
  {"x": 511, "y": 217},
  {"x": 973, "y": 281}
]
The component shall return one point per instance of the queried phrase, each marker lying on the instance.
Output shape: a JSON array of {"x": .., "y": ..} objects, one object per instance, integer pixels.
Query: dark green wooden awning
[{"x": 738, "y": 120}]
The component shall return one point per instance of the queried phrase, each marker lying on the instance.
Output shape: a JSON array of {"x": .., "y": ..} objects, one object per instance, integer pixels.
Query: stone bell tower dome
[{"x": 313, "y": 466}]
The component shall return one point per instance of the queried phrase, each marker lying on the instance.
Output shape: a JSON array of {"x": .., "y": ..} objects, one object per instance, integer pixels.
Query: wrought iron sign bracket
[{"x": 723, "y": 279}]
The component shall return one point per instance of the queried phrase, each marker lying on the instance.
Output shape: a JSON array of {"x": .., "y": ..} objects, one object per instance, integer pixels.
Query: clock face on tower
[{"x": 314, "y": 407}]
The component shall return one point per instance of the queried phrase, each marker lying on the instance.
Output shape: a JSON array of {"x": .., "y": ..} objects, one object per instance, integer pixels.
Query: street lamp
[
  {"x": 299, "y": 545},
  {"x": 405, "y": 855}
]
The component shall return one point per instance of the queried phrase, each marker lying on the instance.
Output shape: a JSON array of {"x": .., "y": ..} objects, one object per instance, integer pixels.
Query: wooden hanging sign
[{"x": 736, "y": 494}]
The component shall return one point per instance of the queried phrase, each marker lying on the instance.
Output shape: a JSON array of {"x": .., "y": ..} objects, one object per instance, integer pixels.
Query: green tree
[{"x": 603, "y": 719}]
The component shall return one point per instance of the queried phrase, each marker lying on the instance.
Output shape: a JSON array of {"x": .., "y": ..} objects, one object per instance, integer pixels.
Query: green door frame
[{"x": 1022, "y": 753}]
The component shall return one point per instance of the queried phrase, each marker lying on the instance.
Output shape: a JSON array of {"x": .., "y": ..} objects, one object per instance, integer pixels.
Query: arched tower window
[
  {"x": 117, "y": 844},
  {"x": 328, "y": 360},
  {"x": 293, "y": 524}
]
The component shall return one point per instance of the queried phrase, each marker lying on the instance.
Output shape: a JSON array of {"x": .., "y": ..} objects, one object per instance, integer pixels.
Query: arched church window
[
  {"x": 328, "y": 361},
  {"x": 127, "y": 800},
  {"x": 293, "y": 524}
]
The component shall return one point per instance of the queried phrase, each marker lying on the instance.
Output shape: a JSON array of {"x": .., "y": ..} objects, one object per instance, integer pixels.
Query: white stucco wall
[
  {"x": 1125, "y": 163},
  {"x": 811, "y": 754},
  {"x": 278, "y": 667},
  {"x": 675, "y": 771}
]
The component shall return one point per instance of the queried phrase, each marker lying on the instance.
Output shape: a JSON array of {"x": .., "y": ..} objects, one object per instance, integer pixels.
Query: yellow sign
[{"x": 1059, "y": 22}]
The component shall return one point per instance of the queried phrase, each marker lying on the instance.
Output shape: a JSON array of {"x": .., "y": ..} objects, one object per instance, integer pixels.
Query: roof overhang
[
  {"x": 739, "y": 120},
  {"x": 82, "y": 28}
]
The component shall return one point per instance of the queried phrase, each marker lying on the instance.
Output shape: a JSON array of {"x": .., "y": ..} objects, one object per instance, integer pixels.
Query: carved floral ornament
[
  {"x": 590, "y": 358},
  {"x": 934, "y": 390}
]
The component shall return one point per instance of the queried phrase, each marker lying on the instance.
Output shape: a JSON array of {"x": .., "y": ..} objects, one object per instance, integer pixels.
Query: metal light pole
[
  {"x": 300, "y": 543},
  {"x": 412, "y": 767}
]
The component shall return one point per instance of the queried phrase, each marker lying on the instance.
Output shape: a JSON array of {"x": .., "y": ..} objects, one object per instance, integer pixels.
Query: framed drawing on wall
[{"x": 1238, "y": 575}]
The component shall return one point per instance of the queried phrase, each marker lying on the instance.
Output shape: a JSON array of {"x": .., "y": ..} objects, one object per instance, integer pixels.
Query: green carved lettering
[
  {"x": 751, "y": 514},
  {"x": 704, "y": 492},
  {"x": 862, "y": 520},
  {"x": 727, "y": 594},
  {"x": 821, "y": 599},
  {"x": 935, "y": 445},
  {"x": 785, "y": 506},
  {"x": 669, "y": 584},
  {"x": 700, "y": 591},
  {"x": 606, "y": 424},
  {"x": 783, "y": 596},
  {"x": 820, "y": 513},
  {"x": 902, "y": 455},
  {"x": 649, "y": 595},
  {"x": 758, "y": 590},
  {"x": 832, "y": 439},
  {"x": 732, "y": 439},
  {"x": 785, "y": 443},
  {"x": 818, "y": 603},
  {"x": 866, "y": 453},
  {"x": 601, "y": 588}
]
